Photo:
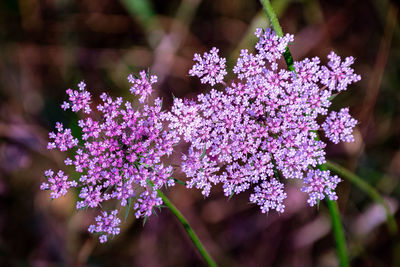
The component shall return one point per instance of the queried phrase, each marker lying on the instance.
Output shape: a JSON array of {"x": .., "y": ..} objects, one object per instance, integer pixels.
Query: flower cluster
[
  {"x": 210, "y": 68},
  {"x": 269, "y": 195},
  {"x": 270, "y": 46},
  {"x": 78, "y": 99},
  {"x": 58, "y": 183},
  {"x": 338, "y": 75},
  {"x": 263, "y": 127},
  {"x": 63, "y": 139},
  {"x": 142, "y": 86},
  {"x": 120, "y": 155},
  {"x": 338, "y": 126},
  {"x": 106, "y": 224},
  {"x": 319, "y": 184}
]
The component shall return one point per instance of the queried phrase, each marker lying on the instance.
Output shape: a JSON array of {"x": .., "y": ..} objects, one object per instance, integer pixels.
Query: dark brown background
[{"x": 47, "y": 46}]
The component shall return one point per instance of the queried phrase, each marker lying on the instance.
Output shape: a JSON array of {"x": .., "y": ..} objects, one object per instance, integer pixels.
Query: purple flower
[
  {"x": 63, "y": 139},
  {"x": 308, "y": 71},
  {"x": 260, "y": 129},
  {"x": 145, "y": 204},
  {"x": 201, "y": 170},
  {"x": 338, "y": 75},
  {"x": 142, "y": 86},
  {"x": 120, "y": 159},
  {"x": 270, "y": 46},
  {"x": 248, "y": 65},
  {"x": 58, "y": 183},
  {"x": 269, "y": 196},
  {"x": 319, "y": 184},
  {"x": 106, "y": 225},
  {"x": 253, "y": 135},
  {"x": 210, "y": 68},
  {"x": 78, "y": 99},
  {"x": 338, "y": 126}
]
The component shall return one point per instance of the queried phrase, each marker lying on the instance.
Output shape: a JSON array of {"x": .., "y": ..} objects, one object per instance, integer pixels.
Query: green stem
[
  {"x": 179, "y": 181},
  {"x": 393, "y": 229},
  {"x": 337, "y": 226},
  {"x": 333, "y": 208},
  {"x": 278, "y": 30},
  {"x": 195, "y": 239},
  {"x": 368, "y": 189},
  {"x": 338, "y": 232},
  {"x": 272, "y": 17}
]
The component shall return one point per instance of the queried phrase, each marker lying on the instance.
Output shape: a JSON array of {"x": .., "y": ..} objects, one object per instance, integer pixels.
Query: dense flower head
[
  {"x": 318, "y": 184},
  {"x": 338, "y": 126},
  {"x": 248, "y": 64},
  {"x": 58, "y": 184},
  {"x": 210, "y": 67},
  {"x": 269, "y": 195},
  {"x": 78, "y": 100},
  {"x": 257, "y": 132},
  {"x": 142, "y": 86},
  {"x": 146, "y": 202},
  {"x": 338, "y": 75},
  {"x": 263, "y": 127},
  {"x": 270, "y": 46},
  {"x": 120, "y": 156},
  {"x": 106, "y": 224},
  {"x": 63, "y": 139}
]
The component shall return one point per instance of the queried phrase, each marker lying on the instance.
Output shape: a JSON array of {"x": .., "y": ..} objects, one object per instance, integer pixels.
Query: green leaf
[
  {"x": 232, "y": 193},
  {"x": 128, "y": 208},
  {"x": 333, "y": 96},
  {"x": 145, "y": 220},
  {"x": 154, "y": 211},
  {"x": 178, "y": 181},
  {"x": 204, "y": 152}
]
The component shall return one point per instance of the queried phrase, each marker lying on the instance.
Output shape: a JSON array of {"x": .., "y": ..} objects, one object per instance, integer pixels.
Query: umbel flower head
[
  {"x": 119, "y": 158},
  {"x": 209, "y": 67},
  {"x": 262, "y": 128},
  {"x": 257, "y": 132}
]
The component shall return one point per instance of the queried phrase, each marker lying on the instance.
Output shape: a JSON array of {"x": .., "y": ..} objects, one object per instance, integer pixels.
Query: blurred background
[{"x": 48, "y": 46}]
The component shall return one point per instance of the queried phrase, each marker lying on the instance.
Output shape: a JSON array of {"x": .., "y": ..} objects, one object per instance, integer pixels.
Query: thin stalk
[
  {"x": 368, "y": 189},
  {"x": 272, "y": 17},
  {"x": 337, "y": 226},
  {"x": 195, "y": 239},
  {"x": 338, "y": 232},
  {"x": 333, "y": 208},
  {"x": 278, "y": 30}
]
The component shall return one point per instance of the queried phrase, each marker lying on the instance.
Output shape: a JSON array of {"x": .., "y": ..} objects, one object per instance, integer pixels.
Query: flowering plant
[
  {"x": 262, "y": 128},
  {"x": 119, "y": 157},
  {"x": 258, "y": 131}
]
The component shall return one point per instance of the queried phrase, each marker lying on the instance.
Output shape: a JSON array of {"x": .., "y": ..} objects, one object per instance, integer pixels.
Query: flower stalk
[
  {"x": 278, "y": 30},
  {"x": 338, "y": 232},
  {"x": 193, "y": 236},
  {"x": 368, "y": 189}
]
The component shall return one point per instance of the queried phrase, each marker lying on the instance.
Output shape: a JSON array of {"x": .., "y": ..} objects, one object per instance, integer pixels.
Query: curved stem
[
  {"x": 368, "y": 189},
  {"x": 338, "y": 232},
  {"x": 195, "y": 239}
]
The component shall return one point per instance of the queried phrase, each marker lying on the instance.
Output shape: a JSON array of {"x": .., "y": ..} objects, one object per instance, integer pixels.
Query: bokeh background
[{"x": 47, "y": 46}]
